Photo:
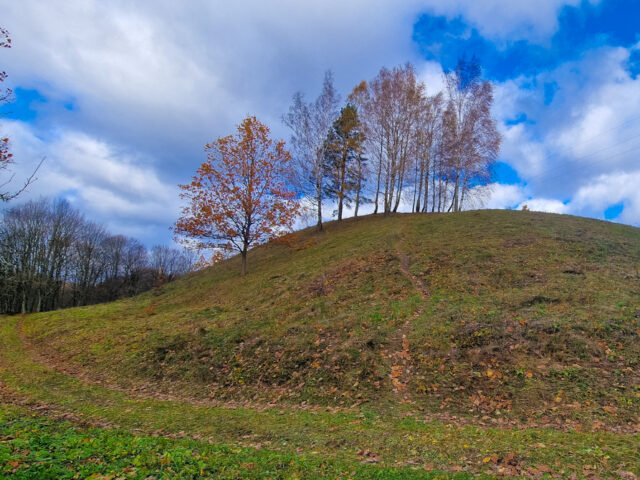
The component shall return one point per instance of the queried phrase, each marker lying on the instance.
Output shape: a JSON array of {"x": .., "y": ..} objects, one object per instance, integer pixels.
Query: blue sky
[
  {"x": 120, "y": 97},
  {"x": 581, "y": 28}
]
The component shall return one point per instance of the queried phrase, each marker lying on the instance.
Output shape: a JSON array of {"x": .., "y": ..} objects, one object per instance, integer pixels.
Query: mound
[{"x": 514, "y": 314}]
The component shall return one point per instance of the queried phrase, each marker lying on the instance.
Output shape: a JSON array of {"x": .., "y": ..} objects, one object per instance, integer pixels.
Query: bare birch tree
[
  {"x": 427, "y": 141},
  {"x": 310, "y": 123},
  {"x": 470, "y": 138},
  {"x": 390, "y": 106}
]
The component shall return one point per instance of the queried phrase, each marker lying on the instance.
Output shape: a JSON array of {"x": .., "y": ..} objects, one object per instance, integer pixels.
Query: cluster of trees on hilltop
[
  {"x": 52, "y": 257},
  {"x": 390, "y": 141},
  {"x": 393, "y": 141}
]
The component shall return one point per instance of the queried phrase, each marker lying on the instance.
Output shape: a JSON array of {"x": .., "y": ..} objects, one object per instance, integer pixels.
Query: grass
[
  {"x": 317, "y": 319},
  {"x": 37, "y": 448},
  {"x": 530, "y": 325},
  {"x": 340, "y": 436}
]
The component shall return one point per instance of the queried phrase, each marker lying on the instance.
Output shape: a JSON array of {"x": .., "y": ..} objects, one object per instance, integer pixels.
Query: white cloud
[
  {"x": 544, "y": 205},
  {"x": 504, "y": 20},
  {"x": 611, "y": 189},
  {"x": 110, "y": 186},
  {"x": 589, "y": 130},
  {"x": 431, "y": 74},
  {"x": 503, "y": 196}
]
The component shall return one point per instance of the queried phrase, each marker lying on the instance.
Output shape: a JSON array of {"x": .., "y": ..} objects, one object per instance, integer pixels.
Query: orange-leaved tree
[{"x": 240, "y": 196}]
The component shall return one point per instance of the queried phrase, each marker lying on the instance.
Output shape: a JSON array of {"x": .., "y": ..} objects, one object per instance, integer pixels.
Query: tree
[
  {"x": 170, "y": 263},
  {"x": 344, "y": 163},
  {"x": 310, "y": 124},
  {"x": 360, "y": 172},
  {"x": 426, "y": 139},
  {"x": 240, "y": 196},
  {"x": 89, "y": 261},
  {"x": 23, "y": 241},
  {"x": 135, "y": 261},
  {"x": 471, "y": 140},
  {"x": 6, "y": 157},
  {"x": 390, "y": 106}
]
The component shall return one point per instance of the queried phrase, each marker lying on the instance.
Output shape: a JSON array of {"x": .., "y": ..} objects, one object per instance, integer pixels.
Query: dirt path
[
  {"x": 405, "y": 265},
  {"x": 401, "y": 370}
]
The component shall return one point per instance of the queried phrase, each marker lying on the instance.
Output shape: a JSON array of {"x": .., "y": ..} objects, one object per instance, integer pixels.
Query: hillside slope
[{"x": 516, "y": 315}]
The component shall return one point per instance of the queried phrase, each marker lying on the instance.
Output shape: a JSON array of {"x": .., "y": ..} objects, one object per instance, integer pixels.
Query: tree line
[
  {"x": 52, "y": 257},
  {"x": 394, "y": 143}
]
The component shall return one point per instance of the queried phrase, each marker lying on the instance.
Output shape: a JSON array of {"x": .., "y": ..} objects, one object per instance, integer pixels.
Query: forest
[{"x": 52, "y": 257}]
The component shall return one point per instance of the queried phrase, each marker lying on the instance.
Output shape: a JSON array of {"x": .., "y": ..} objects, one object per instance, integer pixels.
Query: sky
[{"x": 120, "y": 97}]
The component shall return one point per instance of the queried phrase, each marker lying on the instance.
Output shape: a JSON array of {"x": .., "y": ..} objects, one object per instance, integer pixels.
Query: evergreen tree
[{"x": 344, "y": 164}]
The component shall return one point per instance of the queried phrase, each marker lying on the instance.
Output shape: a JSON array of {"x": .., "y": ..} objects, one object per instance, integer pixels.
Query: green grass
[
  {"x": 36, "y": 448},
  {"x": 396, "y": 439},
  {"x": 531, "y": 323}
]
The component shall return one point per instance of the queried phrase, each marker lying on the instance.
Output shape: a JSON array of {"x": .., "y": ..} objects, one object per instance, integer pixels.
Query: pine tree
[{"x": 344, "y": 164}]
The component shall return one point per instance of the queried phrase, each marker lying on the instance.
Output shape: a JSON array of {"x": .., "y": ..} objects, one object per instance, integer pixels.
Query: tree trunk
[
  {"x": 462, "y": 192},
  {"x": 433, "y": 189},
  {"x": 38, "y": 302},
  {"x": 388, "y": 189},
  {"x": 456, "y": 193},
  {"x": 425, "y": 205},
  {"x": 375, "y": 210},
  {"x": 359, "y": 187},
  {"x": 417, "y": 190},
  {"x": 417, "y": 181},
  {"x": 399, "y": 186},
  {"x": 342, "y": 178},
  {"x": 319, "y": 224},
  {"x": 243, "y": 254}
]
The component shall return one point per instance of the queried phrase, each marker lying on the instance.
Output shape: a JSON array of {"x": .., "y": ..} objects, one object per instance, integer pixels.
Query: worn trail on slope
[{"x": 401, "y": 369}]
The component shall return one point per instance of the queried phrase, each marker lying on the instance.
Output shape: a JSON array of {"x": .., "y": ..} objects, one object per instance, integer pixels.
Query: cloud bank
[{"x": 121, "y": 97}]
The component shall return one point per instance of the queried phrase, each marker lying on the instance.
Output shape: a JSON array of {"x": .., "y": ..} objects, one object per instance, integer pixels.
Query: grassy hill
[
  {"x": 480, "y": 319},
  {"x": 518, "y": 311}
]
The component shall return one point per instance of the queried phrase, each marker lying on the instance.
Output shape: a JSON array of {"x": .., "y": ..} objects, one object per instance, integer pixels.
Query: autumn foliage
[{"x": 240, "y": 196}]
